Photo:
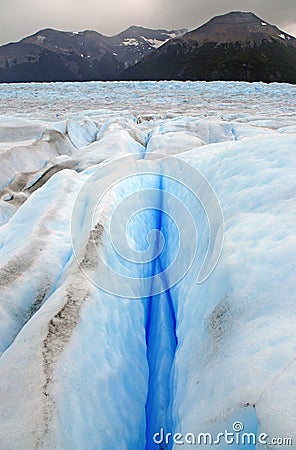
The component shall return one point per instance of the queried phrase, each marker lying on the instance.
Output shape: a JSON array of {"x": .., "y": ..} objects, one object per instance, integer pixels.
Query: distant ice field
[{"x": 233, "y": 100}]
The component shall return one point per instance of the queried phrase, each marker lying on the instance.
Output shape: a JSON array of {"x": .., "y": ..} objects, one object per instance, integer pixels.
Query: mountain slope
[
  {"x": 237, "y": 46},
  {"x": 52, "y": 55},
  {"x": 131, "y": 45}
]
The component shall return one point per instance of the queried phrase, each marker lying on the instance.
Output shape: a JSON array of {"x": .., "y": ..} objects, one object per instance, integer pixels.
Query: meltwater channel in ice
[{"x": 147, "y": 265}]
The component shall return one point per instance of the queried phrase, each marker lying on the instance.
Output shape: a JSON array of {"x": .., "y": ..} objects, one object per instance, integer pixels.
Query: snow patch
[
  {"x": 130, "y": 42},
  {"x": 154, "y": 42}
]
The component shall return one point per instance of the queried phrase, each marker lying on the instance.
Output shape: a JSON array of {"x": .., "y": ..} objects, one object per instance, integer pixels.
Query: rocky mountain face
[
  {"x": 133, "y": 44},
  {"x": 237, "y": 46},
  {"x": 51, "y": 55}
]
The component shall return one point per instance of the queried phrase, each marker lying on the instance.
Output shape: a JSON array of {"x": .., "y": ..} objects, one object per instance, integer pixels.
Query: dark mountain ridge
[
  {"x": 52, "y": 55},
  {"x": 238, "y": 46}
]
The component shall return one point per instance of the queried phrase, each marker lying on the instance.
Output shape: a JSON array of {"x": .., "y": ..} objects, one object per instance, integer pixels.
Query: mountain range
[
  {"x": 52, "y": 55},
  {"x": 237, "y": 46}
]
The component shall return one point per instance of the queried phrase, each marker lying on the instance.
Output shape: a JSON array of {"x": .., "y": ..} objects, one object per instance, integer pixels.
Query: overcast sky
[{"x": 19, "y": 18}]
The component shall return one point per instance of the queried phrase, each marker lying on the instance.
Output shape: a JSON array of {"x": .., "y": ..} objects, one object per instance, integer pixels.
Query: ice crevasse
[{"x": 86, "y": 368}]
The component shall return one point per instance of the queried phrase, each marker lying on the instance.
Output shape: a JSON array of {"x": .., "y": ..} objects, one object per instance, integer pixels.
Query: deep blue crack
[{"x": 161, "y": 342}]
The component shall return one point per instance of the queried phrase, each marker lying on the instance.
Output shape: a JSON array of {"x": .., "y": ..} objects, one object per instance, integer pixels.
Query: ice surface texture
[{"x": 108, "y": 219}]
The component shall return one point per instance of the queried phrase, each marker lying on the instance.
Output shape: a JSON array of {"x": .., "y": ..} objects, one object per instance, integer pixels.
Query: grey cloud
[{"x": 23, "y": 17}]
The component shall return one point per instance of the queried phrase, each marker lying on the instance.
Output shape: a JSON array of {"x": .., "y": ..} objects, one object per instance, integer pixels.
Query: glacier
[{"x": 147, "y": 265}]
